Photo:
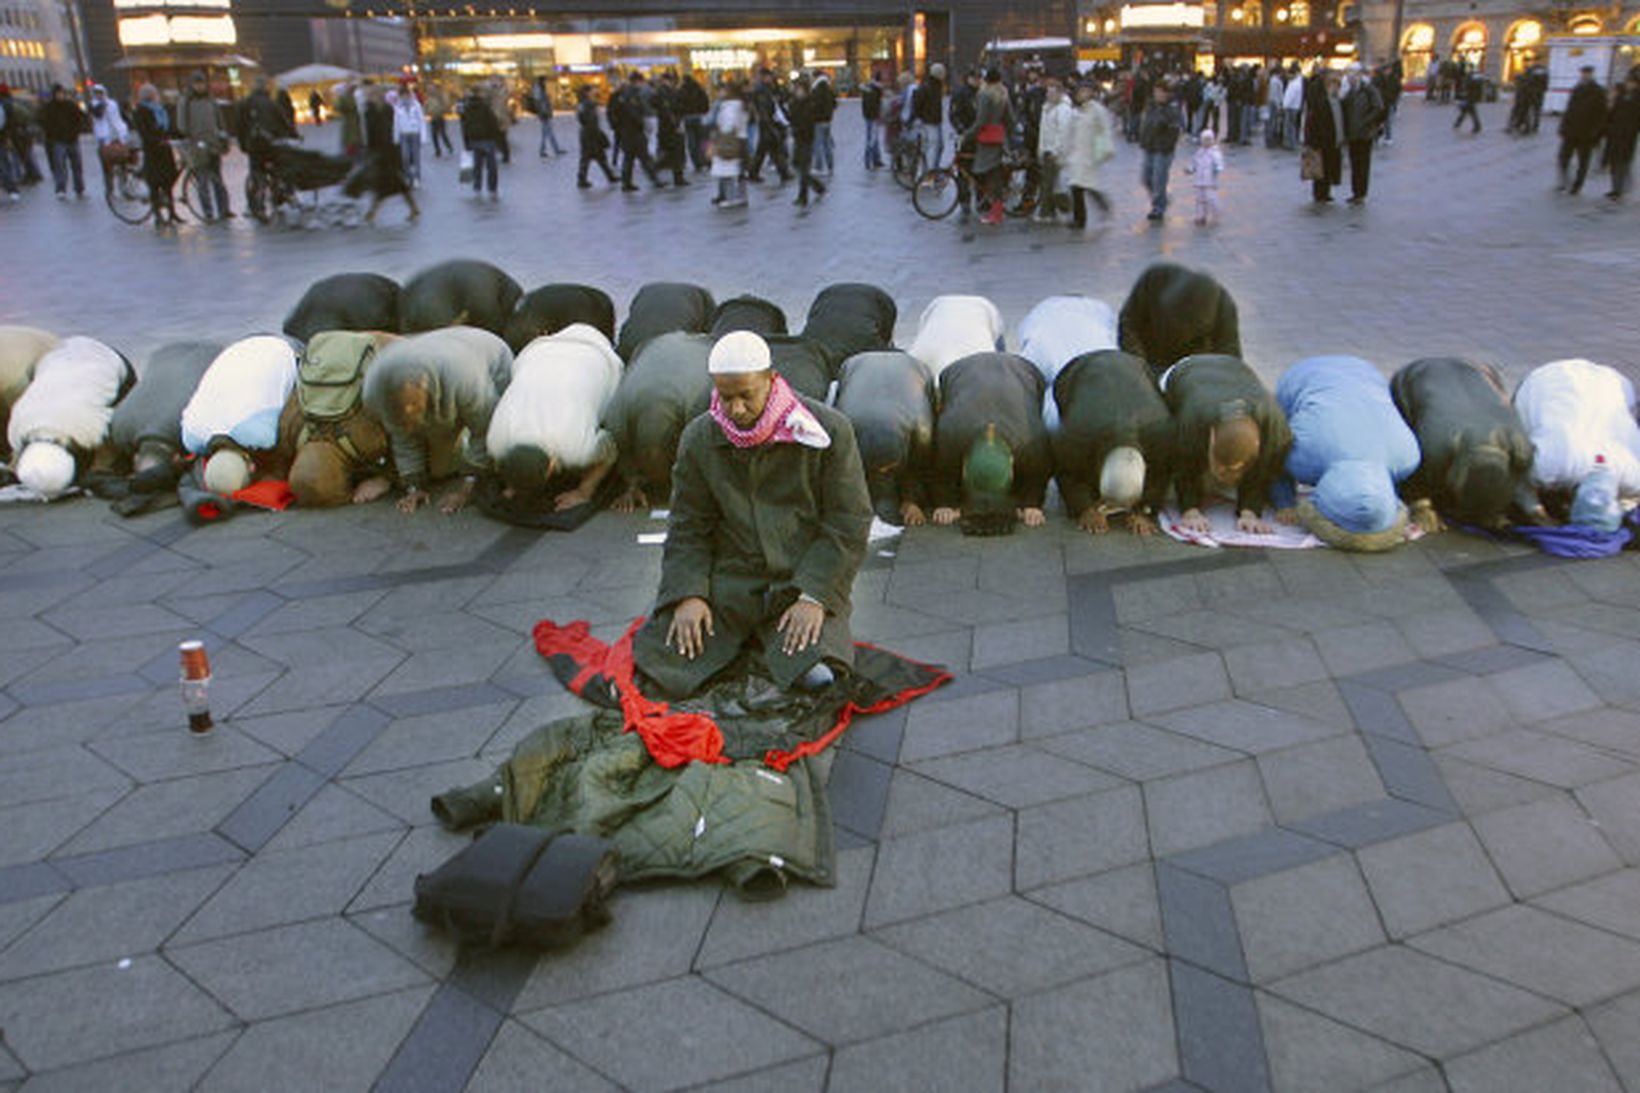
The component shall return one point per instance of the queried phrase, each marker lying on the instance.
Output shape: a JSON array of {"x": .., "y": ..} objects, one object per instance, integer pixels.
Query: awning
[
  {"x": 315, "y": 74},
  {"x": 185, "y": 60}
]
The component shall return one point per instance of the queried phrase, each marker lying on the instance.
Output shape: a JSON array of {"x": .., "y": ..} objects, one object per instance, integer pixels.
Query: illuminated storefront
[
  {"x": 1417, "y": 50},
  {"x": 1522, "y": 48}
]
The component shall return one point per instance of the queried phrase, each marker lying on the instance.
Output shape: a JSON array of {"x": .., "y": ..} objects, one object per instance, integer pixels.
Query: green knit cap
[{"x": 988, "y": 473}]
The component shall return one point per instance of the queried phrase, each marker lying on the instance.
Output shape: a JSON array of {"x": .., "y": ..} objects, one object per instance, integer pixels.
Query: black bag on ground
[{"x": 521, "y": 885}]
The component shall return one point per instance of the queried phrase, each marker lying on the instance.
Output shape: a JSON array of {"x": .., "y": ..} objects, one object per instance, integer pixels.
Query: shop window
[
  {"x": 1298, "y": 13},
  {"x": 1522, "y": 49},
  {"x": 1417, "y": 50},
  {"x": 1586, "y": 24},
  {"x": 1250, "y": 14},
  {"x": 1469, "y": 45}
]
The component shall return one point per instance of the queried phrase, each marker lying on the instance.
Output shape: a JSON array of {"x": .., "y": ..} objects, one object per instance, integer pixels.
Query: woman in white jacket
[
  {"x": 1088, "y": 147},
  {"x": 409, "y": 119},
  {"x": 1052, "y": 141},
  {"x": 729, "y": 146}
]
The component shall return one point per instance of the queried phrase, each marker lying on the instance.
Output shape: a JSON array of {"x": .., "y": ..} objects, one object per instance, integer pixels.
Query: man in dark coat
[
  {"x": 594, "y": 141},
  {"x": 629, "y": 131},
  {"x": 551, "y": 308},
  {"x": 992, "y": 456},
  {"x": 889, "y": 398},
  {"x": 1477, "y": 456},
  {"x": 661, "y": 307},
  {"x": 1173, "y": 312},
  {"x": 664, "y": 388},
  {"x": 482, "y": 135},
  {"x": 1622, "y": 127},
  {"x": 769, "y": 522},
  {"x": 771, "y": 131},
  {"x": 145, "y": 434},
  {"x": 460, "y": 292},
  {"x": 1114, "y": 449},
  {"x": 1581, "y": 127},
  {"x": 693, "y": 105},
  {"x": 1474, "y": 93},
  {"x": 1324, "y": 132},
  {"x": 346, "y": 301},
  {"x": 62, "y": 121},
  {"x": 1363, "y": 119},
  {"x": 1232, "y": 436}
]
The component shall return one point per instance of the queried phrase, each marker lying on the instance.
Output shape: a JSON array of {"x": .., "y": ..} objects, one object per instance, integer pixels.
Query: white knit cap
[
  {"x": 739, "y": 352},
  {"x": 227, "y": 472},
  {"x": 46, "y": 468},
  {"x": 1122, "y": 478}
]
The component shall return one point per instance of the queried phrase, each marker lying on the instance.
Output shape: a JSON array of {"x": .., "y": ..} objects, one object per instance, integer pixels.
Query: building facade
[
  {"x": 37, "y": 45},
  {"x": 1498, "y": 38}
]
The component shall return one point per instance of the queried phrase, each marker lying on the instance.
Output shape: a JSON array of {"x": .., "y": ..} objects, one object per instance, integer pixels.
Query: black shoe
[
  {"x": 628, "y": 188},
  {"x": 801, "y": 203},
  {"x": 1358, "y": 201},
  {"x": 754, "y": 178},
  {"x": 583, "y": 184}
]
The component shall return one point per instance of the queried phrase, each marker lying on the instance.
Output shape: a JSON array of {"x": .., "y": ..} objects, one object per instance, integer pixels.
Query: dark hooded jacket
[
  {"x": 347, "y": 301},
  {"x": 1174, "y": 312},
  {"x": 999, "y": 389},
  {"x": 1108, "y": 399},
  {"x": 1201, "y": 391},
  {"x": 460, "y": 292},
  {"x": 551, "y": 308},
  {"x": 1458, "y": 408},
  {"x": 661, "y": 307}
]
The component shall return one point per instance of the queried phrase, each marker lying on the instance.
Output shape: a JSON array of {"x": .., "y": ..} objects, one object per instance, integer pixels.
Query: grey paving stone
[
  {"x": 341, "y": 1047},
  {"x": 171, "y": 1066},
  {"x": 1191, "y": 810},
  {"x": 1491, "y": 659},
  {"x": 1220, "y": 1042},
  {"x": 106, "y": 924},
  {"x": 150, "y": 757},
  {"x": 655, "y": 935},
  {"x": 945, "y": 725},
  {"x": 1010, "y": 947},
  {"x": 422, "y": 850},
  {"x": 1608, "y": 669},
  {"x": 616, "y": 1034},
  {"x": 1016, "y": 777},
  {"x": 1544, "y": 845},
  {"x": 1049, "y": 1047},
  {"x": 429, "y": 738},
  {"x": 1430, "y": 878},
  {"x": 1176, "y": 683},
  {"x": 848, "y": 990},
  {"x": 429, "y": 949},
  {"x": 1022, "y": 640},
  {"x": 916, "y": 803},
  {"x": 937, "y": 869},
  {"x": 293, "y": 968},
  {"x": 1077, "y": 838},
  {"x": 1141, "y": 648},
  {"x": 1351, "y": 649},
  {"x": 1545, "y": 953},
  {"x": 519, "y": 1061},
  {"x": 1480, "y": 789},
  {"x": 1244, "y": 726},
  {"x": 1611, "y": 902},
  {"x": 333, "y": 813},
  {"x": 1564, "y": 1055},
  {"x": 59, "y": 772},
  {"x": 178, "y": 807},
  {"x": 147, "y": 859},
  {"x": 1409, "y": 773},
  {"x": 20, "y": 913},
  {"x": 1199, "y": 924},
  {"x": 1463, "y": 709},
  {"x": 795, "y": 1077},
  {"x": 1543, "y": 690},
  {"x": 89, "y": 1013},
  {"x": 1615, "y": 806},
  {"x": 876, "y": 737},
  {"x": 1136, "y": 751},
  {"x": 1248, "y": 857},
  {"x": 1270, "y": 665},
  {"x": 961, "y": 1053},
  {"x": 280, "y": 887},
  {"x": 1304, "y": 916},
  {"x": 32, "y": 729},
  {"x": 1609, "y": 729},
  {"x": 1416, "y": 1001},
  {"x": 408, "y": 793},
  {"x": 805, "y": 914},
  {"x": 260, "y": 816},
  {"x": 1375, "y": 821},
  {"x": 1319, "y": 777},
  {"x": 1613, "y": 1024},
  {"x": 1445, "y": 631},
  {"x": 858, "y": 791},
  {"x": 1075, "y": 702},
  {"x": 1307, "y": 1051},
  {"x": 1121, "y": 901},
  {"x": 1543, "y": 758},
  {"x": 1377, "y": 713}
]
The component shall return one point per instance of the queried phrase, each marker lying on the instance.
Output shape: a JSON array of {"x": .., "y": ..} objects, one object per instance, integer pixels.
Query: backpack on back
[{"x": 330, "y": 375}]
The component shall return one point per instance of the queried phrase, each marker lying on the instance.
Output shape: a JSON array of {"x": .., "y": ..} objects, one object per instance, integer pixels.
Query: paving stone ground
[{"x": 1185, "y": 819}]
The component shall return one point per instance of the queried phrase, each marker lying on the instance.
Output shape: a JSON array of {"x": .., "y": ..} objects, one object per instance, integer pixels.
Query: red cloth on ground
[{"x": 270, "y": 493}]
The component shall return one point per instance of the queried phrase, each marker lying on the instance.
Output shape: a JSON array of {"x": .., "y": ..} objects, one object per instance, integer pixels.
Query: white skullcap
[
  {"x": 739, "y": 352},
  {"x": 1122, "y": 478},
  {"x": 46, "y": 468},
  {"x": 227, "y": 472}
]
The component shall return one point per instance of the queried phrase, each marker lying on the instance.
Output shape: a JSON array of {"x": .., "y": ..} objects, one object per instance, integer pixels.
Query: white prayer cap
[
  {"x": 1122, "y": 478},
  {"x": 46, "y": 468},
  {"x": 738, "y": 352},
  {"x": 227, "y": 472}
]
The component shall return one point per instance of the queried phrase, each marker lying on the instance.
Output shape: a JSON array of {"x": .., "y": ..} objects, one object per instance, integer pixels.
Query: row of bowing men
[{"x": 537, "y": 400}]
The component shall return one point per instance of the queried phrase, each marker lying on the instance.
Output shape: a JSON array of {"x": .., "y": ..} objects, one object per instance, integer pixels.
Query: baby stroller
[{"x": 280, "y": 173}]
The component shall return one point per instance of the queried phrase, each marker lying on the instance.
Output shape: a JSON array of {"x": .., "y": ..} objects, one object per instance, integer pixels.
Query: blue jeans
[
  {"x": 410, "y": 154},
  {"x": 213, "y": 195},
  {"x": 933, "y": 138},
  {"x": 8, "y": 170},
  {"x": 484, "y": 159},
  {"x": 1156, "y": 168},
  {"x": 874, "y": 145},
  {"x": 823, "y": 146},
  {"x": 549, "y": 137},
  {"x": 64, "y": 156}
]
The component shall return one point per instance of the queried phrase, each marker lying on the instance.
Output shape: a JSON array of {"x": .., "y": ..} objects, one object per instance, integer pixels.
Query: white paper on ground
[
  {"x": 1222, "y": 531},
  {"x": 651, "y": 538}
]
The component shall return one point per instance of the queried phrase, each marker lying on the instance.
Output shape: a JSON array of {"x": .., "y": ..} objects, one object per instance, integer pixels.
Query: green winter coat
[{"x": 752, "y": 529}]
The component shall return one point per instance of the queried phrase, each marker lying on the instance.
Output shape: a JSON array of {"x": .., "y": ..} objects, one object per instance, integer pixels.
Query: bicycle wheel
[
  {"x": 128, "y": 195},
  {"x": 936, "y": 194},
  {"x": 908, "y": 163},
  {"x": 191, "y": 195},
  {"x": 257, "y": 198}
]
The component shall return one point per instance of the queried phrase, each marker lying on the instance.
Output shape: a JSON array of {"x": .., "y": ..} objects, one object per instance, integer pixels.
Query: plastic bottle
[{"x": 1595, "y": 503}]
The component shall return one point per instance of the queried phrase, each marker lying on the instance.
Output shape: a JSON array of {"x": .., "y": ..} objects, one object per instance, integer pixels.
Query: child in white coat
[{"x": 1206, "y": 166}]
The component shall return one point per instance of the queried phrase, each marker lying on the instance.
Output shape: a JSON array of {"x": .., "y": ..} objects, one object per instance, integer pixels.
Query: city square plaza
[{"x": 1184, "y": 818}]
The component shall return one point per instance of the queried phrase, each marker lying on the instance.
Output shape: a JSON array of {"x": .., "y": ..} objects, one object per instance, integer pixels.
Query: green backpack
[{"x": 330, "y": 377}]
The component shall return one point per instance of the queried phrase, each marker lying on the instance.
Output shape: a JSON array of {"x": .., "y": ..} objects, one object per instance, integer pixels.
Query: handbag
[
  {"x": 993, "y": 133},
  {"x": 1310, "y": 167},
  {"x": 520, "y": 884},
  {"x": 728, "y": 146},
  {"x": 466, "y": 176}
]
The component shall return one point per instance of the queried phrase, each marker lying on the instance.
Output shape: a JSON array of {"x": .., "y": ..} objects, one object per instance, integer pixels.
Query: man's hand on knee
[
  {"x": 801, "y": 625},
  {"x": 691, "y": 626}
]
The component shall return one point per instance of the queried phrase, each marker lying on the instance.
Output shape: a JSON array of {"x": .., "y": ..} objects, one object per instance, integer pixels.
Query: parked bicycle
[
  {"x": 939, "y": 191},
  {"x": 128, "y": 194},
  {"x": 907, "y": 159}
]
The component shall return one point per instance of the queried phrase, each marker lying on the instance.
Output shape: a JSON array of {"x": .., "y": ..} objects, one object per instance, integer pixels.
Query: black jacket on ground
[
  {"x": 1108, "y": 399},
  {"x": 1000, "y": 389},
  {"x": 1456, "y": 407},
  {"x": 1174, "y": 312},
  {"x": 1199, "y": 392}
]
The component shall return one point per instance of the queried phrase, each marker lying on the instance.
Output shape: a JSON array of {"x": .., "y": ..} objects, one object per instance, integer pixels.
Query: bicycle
[
  {"x": 907, "y": 160},
  {"x": 938, "y": 191},
  {"x": 128, "y": 193}
]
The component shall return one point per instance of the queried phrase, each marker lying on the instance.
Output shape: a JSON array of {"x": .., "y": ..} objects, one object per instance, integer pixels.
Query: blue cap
[{"x": 1357, "y": 496}]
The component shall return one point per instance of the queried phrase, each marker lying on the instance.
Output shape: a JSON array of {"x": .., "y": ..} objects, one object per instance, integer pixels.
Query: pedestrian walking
[
  {"x": 482, "y": 136},
  {"x": 1090, "y": 142},
  {"x": 594, "y": 142},
  {"x": 693, "y": 105},
  {"x": 1474, "y": 90},
  {"x": 108, "y": 129},
  {"x": 631, "y": 134},
  {"x": 159, "y": 167},
  {"x": 436, "y": 107},
  {"x": 671, "y": 152},
  {"x": 501, "y": 109},
  {"x": 928, "y": 112},
  {"x": 871, "y": 106},
  {"x": 1206, "y": 165},
  {"x": 541, "y": 107},
  {"x": 1292, "y": 108},
  {"x": 383, "y": 173},
  {"x": 408, "y": 122},
  {"x": 1363, "y": 117},
  {"x": 1581, "y": 127},
  {"x": 1053, "y": 137},
  {"x": 8, "y": 165},
  {"x": 1622, "y": 126},
  {"x": 316, "y": 106},
  {"x": 993, "y": 122},
  {"x": 201, "y": 121},
  {"x": 62, "y": 121},
  {"x": 729, "y": 146},
  {"x": 771, "y": 129},
  {"x": 804, "y": 116},
  {"x": 825, "y": 108},
  {"x": 1158, "y": 137}
]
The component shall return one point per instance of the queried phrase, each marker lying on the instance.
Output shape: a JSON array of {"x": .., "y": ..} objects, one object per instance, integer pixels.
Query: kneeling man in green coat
[{"x": 770, "y": 516}]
